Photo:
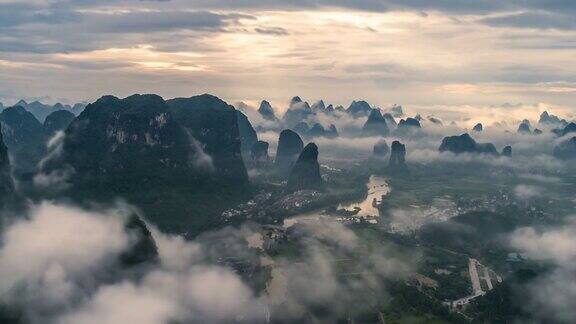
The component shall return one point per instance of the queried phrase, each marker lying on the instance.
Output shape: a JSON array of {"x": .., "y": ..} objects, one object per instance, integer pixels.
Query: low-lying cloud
[
  {"x": 61, "y": 264},
  {"x": 552, "y": 295}
]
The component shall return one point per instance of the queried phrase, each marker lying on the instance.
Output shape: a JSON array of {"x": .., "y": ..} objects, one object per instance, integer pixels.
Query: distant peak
[{"x": 295, "y": 100}]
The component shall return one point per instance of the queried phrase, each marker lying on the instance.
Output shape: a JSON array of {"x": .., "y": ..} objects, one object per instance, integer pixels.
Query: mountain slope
[
  {"x": 24, "y": 137},
  {"x": 180, "y": 165},
  {"x": 57, "y": 121},
  {"x": 6, "y": 186}
]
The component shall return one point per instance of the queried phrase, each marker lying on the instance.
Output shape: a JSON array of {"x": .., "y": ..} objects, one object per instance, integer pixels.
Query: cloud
[
  {"x": 551, "y": 294},
  {"x": 410, "y": 219},
  {"x": 54, "y": 180},
  {"x": 60, "y": 264},
  {"x": 526, "y": 192},
  {"x": 146, "y": 22},
  {"x": 392, "y": 51},
  {"x": 42, "y": 257},
  {"x": 125, "y": 303},
  {"x": 204, "y": 294},
  {"x": 200, "y": 159},
  {"x": 316, "y": 282},
  {"x": 538, "y": 20},
  {"x": 540, "y": 178},
  {"x": 530, "y": 153},
  {"x": 275, "y": 31}
]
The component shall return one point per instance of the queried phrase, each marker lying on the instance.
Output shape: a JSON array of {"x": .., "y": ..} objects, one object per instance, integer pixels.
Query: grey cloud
[
  {"x": 143, "y": 22},
  {"x": 276, "y": 31},
  {"x": 535, "y": 13},
  {"x": 37, "y": 28},
  {"x": 540, "y": 20},
  {"x": 448, "y": 6},
  {"x": 14, "y": 14},
  {"x": 531, "y": 74}
]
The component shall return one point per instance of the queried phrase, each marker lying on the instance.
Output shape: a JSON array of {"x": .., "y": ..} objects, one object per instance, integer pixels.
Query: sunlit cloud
[
  {"x": 143, "y": 56},
  {"x": 385, "y": 52}
]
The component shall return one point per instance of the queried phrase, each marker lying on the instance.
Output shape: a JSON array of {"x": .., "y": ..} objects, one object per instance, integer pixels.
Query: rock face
[
  {"x": 408, "y": 127},
  {"x": 144, "y": 249},
  {"x": 409, "y": 122},
  {"x": 135, "y": 134},
  {"x": 319, "y": 131},
  {"x": 397, "y": 162},
  {"x": 566, "y": 150},
  {"x": 570, "y": 128},
  {"x": 259, "y": 154},
  {"x": 375, "y": 125},
  {"x": 78, "y": 108},
  {"x": 359, "y": 109},
  {"x": 435, "y": 120},
  {"x": 38, "y": 109},
  {"x": 297, "y": 112},
  {"x": 397, "y": 111},
  {"x": 306, "y": 171},
  {"x": 549, "y": 119},
  {"x": 6, "y": 186},
  {"x": 524, "y": 128},
  {"x": 332, "y": 132},
  {"x": 478, "y": 127},
  {"x": 265, "y": 110},
  {"x": 380, "y": 149},
  {"x": 318, "y": 106},
  {"x": 57, "y": 121},
  {"x": 214, "y": 124},
  {"x": 41, "y": 111},
  {"x": 24, "y": 137},
  {"x": 295, "y": 101},
  {"x": 178, "y": 161},
  {"x": 329, "y": 110},
  {"x": 301, "y": 128},
  {"x": 507, "y": 151},
  {"x": 248, "y": 135},
  {"x": 389, "y": 119},
  {"x": 466, "y": 144},
  {"x": 289, "y": 147}
]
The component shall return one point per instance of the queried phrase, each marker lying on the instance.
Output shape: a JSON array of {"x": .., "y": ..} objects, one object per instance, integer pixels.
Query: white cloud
[
  {"x": 525, "y": 192},
  {"x": 61, "y": 265},
  {"x": 42, "y": 256},
  {"x": 125, "y": 303},
  {"x": 552, "y": 294}
]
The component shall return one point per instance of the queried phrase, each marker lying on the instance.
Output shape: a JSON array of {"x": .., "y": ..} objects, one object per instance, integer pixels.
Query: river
[{"x": 367, "y": 209}]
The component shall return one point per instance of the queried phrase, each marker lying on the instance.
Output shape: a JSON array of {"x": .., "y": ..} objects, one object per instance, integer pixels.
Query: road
[{"x": 474, "y": 278}]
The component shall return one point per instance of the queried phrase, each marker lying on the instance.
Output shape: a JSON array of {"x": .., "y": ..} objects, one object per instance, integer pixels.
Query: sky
[{"x": 424, "y": 53}]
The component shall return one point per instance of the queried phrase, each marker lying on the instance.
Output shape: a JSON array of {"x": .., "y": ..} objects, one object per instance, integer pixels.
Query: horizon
[{"x": 488, "y": 116}]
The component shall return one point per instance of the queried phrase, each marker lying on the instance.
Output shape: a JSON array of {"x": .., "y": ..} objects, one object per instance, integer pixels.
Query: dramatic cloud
[{"x": 412, "y": 52}]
